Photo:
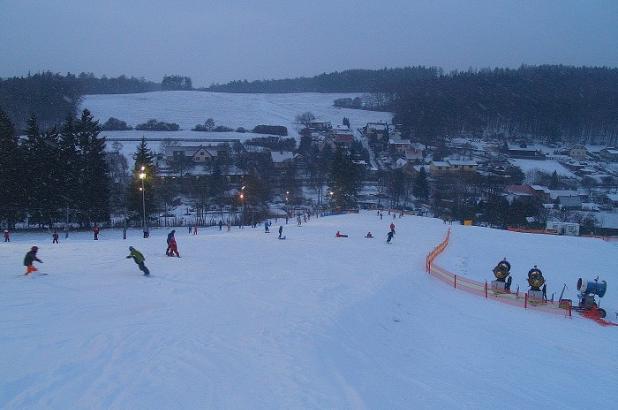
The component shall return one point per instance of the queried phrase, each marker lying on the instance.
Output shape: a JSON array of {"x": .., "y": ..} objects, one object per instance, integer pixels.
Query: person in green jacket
[{"x": 139, "y": 259}]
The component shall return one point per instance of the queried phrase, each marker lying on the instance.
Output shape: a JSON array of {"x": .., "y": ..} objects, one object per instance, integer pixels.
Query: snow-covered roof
[
  {"x": 281, "y": 156},
  {"x": 462, "y": 163},
  {"x": 540, "y": 188}
]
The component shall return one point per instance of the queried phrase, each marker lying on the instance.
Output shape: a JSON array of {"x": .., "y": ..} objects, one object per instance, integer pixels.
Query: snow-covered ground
[
  {"x": 244, "y": 320},
  {"x": 547, "y": 166},
  {"x": 188, "y": 108}
]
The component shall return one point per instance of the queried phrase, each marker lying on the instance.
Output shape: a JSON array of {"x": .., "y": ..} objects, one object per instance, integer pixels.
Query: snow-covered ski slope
[{"x": 244, "y": 320}]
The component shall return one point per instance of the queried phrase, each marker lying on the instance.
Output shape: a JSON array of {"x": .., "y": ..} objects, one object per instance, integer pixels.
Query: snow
[
  {"x": 244, "y": 320},
  {"x": 188, "y": 108},
  {"x": 547, "y": 166}
]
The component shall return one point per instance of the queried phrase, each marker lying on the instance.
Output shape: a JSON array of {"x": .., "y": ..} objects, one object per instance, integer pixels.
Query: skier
[
  {"x": 29, "y": 260},
  {"x": 389, "y": 236},
  {"x": 544, "y": 290},
  {"x": 173, "y": 247},
  {"x": 392, "y": 228},
  {"x": 55, "y": 237},
  {"x": 190, "y": 229},
  {"x": 298, "y": 221},
  {"x": 369, "y": 235},
  {"x": 96, "y": 231},
  {"x": 220, "y": 224},
  {"x": 170, "y": 236},
  {"x": 7, "y": 236},
  {"x": 266, "y": 225},
  {"x": 381, "y": 215},
  {"x": 280, "y": 232},
  {"x": 139, "y": 260},
  {"x": 195, "y": 230}
]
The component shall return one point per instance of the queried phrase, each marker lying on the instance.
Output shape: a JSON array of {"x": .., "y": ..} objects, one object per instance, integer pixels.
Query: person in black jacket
[{"x": 29, "y": 260}]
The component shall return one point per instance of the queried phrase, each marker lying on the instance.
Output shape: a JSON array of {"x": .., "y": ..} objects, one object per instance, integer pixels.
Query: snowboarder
[
  {"x": 369, "y": 235},
  {"x": 340, "y": 235},
  {"x": 139, "y": 260},
  {"x": 96, "y": 231},
  {"x": 280, "y": 232},
  {"x": 29, "y": 260},
  {"x": 7, "y": 236},
  {"x": 389, "y": 236},
  {"x": 55, "y": 237}
]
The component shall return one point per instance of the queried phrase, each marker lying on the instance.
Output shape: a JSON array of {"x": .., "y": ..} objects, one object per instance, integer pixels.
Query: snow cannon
[
  {"x": 503, "y": 280},
  {"x": 588, "y": 290},
  {"x": 592, "y": 287},
  {"x": 535, "y": 279},
  {"x": 502, "y": 270}
]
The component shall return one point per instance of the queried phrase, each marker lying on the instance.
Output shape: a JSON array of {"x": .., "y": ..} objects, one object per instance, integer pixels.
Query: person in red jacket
[
  {"x": 96, "y": 231},
  {"x": 393, "y": 228},
  {"x": 340, "y": 235},
  {"x": 173, "y": 247},
  {"x": 7, "y": 236}
]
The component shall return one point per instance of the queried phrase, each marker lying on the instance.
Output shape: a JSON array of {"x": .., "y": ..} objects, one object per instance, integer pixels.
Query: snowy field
[
  {"x": 547, "y": 166},
  {"x": 188, "y": 108},
  {"x": 244, "y": 320}
]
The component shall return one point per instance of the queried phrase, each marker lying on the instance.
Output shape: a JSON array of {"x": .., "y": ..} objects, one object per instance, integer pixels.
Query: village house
[
  {"x": 525, "y": 152},
  {"x": 342, "y": 136},
  {"x": 450, "y": 166},
  {"x": 578, "y": 152},
  {"x": 609, "y": 154}
]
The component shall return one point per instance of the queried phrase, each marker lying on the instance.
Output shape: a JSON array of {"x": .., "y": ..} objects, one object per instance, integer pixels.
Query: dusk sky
[{"x": 219, "y": 41}]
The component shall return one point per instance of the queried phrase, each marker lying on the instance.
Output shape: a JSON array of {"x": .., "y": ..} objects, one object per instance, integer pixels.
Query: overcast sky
[{"x": 218, "y": 41}]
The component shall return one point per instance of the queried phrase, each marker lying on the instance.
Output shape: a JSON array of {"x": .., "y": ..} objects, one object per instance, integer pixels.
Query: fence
[{"x": 483, "y": 289}]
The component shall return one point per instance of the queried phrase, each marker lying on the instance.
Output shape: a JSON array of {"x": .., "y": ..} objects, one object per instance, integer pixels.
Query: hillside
[{"x": 244, "y": 320}]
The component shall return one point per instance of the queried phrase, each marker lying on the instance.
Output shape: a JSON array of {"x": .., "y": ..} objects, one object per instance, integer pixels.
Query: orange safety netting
[{"x": 519, "y": 299}]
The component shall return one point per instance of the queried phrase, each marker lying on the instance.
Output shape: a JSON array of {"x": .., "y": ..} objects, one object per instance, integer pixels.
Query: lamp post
[
  {"x": 142, "y": 176},
  {"x": 242, "y": 203}
]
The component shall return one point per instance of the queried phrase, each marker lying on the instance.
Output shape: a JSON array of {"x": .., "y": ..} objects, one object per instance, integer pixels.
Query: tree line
[
  {"x": 50, "y": 96},
  {"x": 48, "y": 174},
  {"x": 553, "y": 102}
]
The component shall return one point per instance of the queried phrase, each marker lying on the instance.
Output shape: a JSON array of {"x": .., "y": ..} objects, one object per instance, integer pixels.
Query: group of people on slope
[{"x": 389, "y": 235}]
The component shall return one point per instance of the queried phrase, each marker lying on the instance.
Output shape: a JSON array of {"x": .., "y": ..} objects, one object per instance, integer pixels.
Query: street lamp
[{"x": 142, "y": 176}]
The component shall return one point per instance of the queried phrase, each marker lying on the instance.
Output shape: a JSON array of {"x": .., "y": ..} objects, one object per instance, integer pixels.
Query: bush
[
  {"x": 271, "y": 130},
  {"x": 154, "y": 125},
  {"x": 114, "y": 124}
]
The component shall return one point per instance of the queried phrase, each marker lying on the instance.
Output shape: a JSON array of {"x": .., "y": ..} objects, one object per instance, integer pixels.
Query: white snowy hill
[{"x": 244, "y": 320}]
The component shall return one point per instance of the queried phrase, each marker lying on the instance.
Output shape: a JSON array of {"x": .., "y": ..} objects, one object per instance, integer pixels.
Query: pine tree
[
  {"x": 344, "y": 180},
  {"x": 12, "y": 174},
  {"x": 421, "y": 186},
  {"x": 94, "y": 182}
]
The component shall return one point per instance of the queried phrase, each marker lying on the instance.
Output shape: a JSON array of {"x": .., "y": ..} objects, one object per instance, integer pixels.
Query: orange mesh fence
[{"x": 519, "y": 299}]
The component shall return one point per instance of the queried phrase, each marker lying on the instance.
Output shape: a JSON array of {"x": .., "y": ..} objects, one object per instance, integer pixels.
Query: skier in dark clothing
[
  {"x": 139, "y": 260},
  {"x": 280, "y": 231},
  {"x": 266, "y": 226},
  {"x": 392, "y": 228},
  {"x": 389, "y": 236},
  {"x": 96, "y": 231},
  {"x": 220, "y": 224},
  {"x": 7, "y": 236},
  {"x": 29, "y": 260},
  {"x": 55, "y": 237}
]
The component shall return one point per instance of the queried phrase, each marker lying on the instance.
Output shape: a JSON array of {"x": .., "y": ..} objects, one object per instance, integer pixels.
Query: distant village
[{"x": 505, "y": 181}]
